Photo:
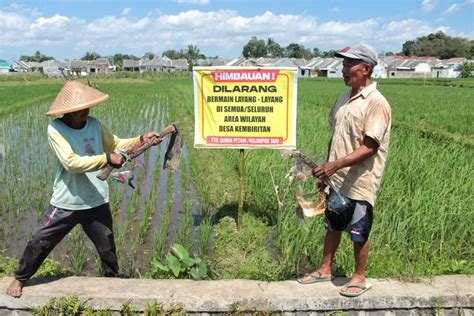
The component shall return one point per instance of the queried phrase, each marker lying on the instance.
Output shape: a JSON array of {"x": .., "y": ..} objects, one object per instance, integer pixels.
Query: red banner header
[{"x": 245, "y": 75}]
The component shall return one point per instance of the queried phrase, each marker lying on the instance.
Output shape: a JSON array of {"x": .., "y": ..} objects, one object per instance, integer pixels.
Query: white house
[
  {"x": 422, "y": 70},
  {"x": 447, "y": 68},
  {"x": 413, "y": 67},
  {"x": 54, "y": 68},
  {"x": 4, "y": 67},
  {"x": 326, "y": 67}
]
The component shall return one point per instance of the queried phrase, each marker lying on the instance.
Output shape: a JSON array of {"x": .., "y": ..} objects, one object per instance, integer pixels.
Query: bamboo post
[{"x": 242, "y": 188}]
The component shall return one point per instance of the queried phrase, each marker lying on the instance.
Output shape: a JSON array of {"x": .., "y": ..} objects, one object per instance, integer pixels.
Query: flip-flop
[
  {"x": 315, "y": 278},
  {"x": 350, "y": 294}
]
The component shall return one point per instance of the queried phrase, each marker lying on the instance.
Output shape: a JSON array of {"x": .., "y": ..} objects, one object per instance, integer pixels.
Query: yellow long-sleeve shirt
[{"x": 80, "y": 154}]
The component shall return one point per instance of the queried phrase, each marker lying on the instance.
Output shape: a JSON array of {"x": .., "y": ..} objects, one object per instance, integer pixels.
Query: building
[
  {"x": 447, "y": 68},
  {"x": 78, "y": 67},
  {"x": 242, "y": 62},
  {"x": 26, "y": 66},
  {"x": 410, "y": 67},
  {"x": 100, "y": 66},
  {"x": 4, "y": 67},
  {"x": 163, "y": 64},
  {"x": 85, "y": 67},
  {"x": 131, "y": 65},
  {"x": 20, "y": 66},
  {"x": 213, "y": 62},
  {"x": 176, "y": 65},
  {"x": 54, "y": 68},
  {"x": 326, "y": 67},
  {"x": 299, "y": 63}
]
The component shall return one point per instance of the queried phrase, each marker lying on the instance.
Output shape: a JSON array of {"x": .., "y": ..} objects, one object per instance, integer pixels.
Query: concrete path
[{"x": 455, "y": 293}]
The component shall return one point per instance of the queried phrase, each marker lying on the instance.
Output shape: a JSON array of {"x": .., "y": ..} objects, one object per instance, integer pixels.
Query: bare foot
[
  {"x": 15, "y": 288},
  {"x": 355, "y": 280}
]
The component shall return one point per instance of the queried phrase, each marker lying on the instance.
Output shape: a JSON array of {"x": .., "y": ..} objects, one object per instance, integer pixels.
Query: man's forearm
[
  {"x": 359, "y": 154},
  {"x": 367, "y": 149}
]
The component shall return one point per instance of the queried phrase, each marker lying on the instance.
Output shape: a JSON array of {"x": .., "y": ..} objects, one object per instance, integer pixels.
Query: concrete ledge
[{"x": 442, "y": 292}]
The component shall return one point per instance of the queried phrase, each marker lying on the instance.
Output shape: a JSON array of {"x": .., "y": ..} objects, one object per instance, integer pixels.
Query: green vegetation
[
  {"x": 7, "y": 264},
  {"x": 74, "y": 306},
  {"x": 422, "y": 221},
  {"x": 244, "y": 253},
  {"x": 440, "y": 45},
  {"x": 427, "y": 180},
  {"x": 436, "y": 44},
  {"x": 49, "y": 267},
  {"x": 179, "y": 264},
  {"x": 256, "y": 48},
  {"x": 37, "y": 57},
  {"x": 466, "y": 69},
  {"x": 71, "y": 305}
]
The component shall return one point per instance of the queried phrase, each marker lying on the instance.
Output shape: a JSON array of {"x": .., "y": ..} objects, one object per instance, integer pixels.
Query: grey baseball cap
[{"x": 359, "y": 51}]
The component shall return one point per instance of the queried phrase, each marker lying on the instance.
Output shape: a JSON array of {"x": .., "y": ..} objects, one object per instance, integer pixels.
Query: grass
[
  {"x": 244, "y": 253},
  {"x": 422, "y": 216},
  {"x": 427, "y": 180}
]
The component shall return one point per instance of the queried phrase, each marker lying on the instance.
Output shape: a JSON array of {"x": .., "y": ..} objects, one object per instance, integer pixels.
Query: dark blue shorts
[{"x": 356, "y": 219}]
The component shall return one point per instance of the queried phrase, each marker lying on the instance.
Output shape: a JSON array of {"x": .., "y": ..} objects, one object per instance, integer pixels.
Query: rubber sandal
[
  {"x": 350, "y": 294},
  {"x": 315, "y": 278}
]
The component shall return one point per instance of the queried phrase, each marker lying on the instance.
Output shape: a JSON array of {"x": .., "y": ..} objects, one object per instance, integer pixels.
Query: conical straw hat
[{"x": 75, "y": 96}]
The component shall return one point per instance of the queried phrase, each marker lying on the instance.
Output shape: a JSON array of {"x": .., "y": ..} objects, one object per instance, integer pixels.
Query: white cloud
[
  {"x": 23, "y": 9},
  {"x": 427, "y": 5},
  {"x": 12, "y": 25},
  {"x": 111, "y": 27},
  {"x": 393, "y": 34},
  {"x": 222, "y": 32},
  {"x": 55, "y": 30},
  {"x": 194, "y": 1},
  {"x": 453, "y": 8},
  {"x": 458, "y": 6},
  {"x": 346, "y": 29}
]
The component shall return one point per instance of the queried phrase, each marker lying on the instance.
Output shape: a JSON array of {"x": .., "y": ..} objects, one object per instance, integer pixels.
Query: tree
[
  {"x": 148, "y": 56},
  {"x": 126, "y": 56},
  {"x": 316, "y": 52},
  {"x": 466, "y": 69},
  {"x": 90, "y": 56},
  {"x": 440, "y": 45},
  {"x": 294, "y": 50},
  {"x": 118, "y": 59},
  {"x": 409, "y": 48},
  {"x": 173, "y": 54},
  {"x": 273, "y": 49},
  {"x": 329, "y": 53},
  {"x": 255, "y": 48},
  {"x": 37, "y": 57},
  {"x": 192, "y": 54}
]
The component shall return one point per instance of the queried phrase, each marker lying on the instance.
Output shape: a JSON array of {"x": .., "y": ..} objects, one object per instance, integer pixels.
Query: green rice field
[{"x": 423, "y": 215}]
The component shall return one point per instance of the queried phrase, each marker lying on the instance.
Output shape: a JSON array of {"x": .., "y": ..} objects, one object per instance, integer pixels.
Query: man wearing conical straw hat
[{"x": 82, "y": 146}]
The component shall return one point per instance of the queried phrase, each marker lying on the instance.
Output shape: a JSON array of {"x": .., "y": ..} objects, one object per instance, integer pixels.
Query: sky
[{"x": 67, "y": 29}]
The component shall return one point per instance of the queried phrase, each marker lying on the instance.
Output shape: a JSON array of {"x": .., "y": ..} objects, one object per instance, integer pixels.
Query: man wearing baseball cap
[
  {"x": 82, "y": 146},
  {"x": 360, "y": 121}
]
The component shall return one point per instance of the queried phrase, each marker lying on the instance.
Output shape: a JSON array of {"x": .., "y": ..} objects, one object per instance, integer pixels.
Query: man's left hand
[
  {"x": 326, "y": 170},
  {"x": 147, "y": 137}
]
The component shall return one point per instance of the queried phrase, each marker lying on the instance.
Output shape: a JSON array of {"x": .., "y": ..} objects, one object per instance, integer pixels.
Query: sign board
[{"x": 245, "y": 107}]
